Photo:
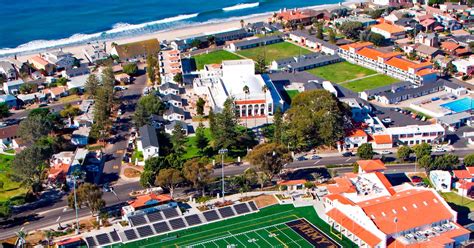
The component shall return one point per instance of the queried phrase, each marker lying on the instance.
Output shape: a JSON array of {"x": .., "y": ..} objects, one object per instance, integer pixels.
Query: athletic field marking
[
  {"x": 217, "y": 228},
  {"x": 288, "y": 236},
  {"x": 263, "y": 238}
]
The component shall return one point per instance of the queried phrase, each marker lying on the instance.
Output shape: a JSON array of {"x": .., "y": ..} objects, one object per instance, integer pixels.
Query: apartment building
[{"x": 170, "y": 63}]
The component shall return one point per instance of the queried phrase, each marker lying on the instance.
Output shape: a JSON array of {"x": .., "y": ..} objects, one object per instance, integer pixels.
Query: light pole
[
  {"x": 222, "y": 152},
  {"x": 75, "y": 204}
]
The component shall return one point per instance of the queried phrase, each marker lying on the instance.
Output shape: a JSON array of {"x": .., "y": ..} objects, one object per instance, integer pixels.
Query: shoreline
[{"x": 213, "y": 25}]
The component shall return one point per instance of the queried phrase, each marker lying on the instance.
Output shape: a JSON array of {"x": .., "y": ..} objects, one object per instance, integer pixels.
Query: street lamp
[{"x": 222, "y": 152}]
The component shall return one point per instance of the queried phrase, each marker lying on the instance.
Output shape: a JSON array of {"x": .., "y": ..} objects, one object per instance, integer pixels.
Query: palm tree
[
  {"x": 246, "y": 92},
  {"x": 265, "y": 89}
]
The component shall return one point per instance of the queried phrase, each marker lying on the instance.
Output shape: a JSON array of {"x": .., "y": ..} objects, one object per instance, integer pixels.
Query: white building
[
  {"x": 170, "y": 64},
  {"x": 228, "y": 81},
  {"x": 465, "y": 66},
  {"x": 441, "y": 180},
  {"x": 148, "y": 142},
  {"x": 59, "y": 58},
  {"x": 391, "y": 64},
  {"x": 355, "y": 138},
  {"x": 389, "y": 31},
  {"x": 95, "y": 52},
  {"x": 416, "y": 134}
]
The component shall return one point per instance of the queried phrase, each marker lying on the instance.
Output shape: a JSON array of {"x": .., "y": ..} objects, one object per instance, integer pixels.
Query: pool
[{"x": 460, "y": 105}]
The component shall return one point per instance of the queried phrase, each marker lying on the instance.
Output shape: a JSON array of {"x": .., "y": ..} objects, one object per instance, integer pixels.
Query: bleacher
[{"x": 167, "y": 220}]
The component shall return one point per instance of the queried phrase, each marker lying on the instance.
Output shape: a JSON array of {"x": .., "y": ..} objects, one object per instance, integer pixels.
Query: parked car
[
  {"x": 438, "y": 149},
  {"x": 387, "y": 120},
  {"x": 385, "y": 152},
  {"x": 416, "y": 179},
  {"x": 314, "y": 157},
  {"x": 347, "y": 154},
  {"x": 301, "y": 158}
]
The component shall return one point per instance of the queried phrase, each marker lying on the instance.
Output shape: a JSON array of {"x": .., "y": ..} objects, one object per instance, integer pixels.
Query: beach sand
[{"x": 76, "y": 50}]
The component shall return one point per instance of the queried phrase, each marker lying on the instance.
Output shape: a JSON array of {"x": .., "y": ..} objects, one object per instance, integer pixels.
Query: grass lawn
[
  {"x": 274, "y": 51},
  {"x": 70, "y": 98},
  {"x": 137, "y": 155},
  {"x": 213, "y": 58},
  {"x": 458, "y": 200},
  {"x": 10, "y": 188},
  {"x": 265, "y": 228},
  {"x": 341, "y": 72},
  {"x": 292, "y": 93},
  {"x": 369, "y": 83},
  {"x": 191, "y": 149}
]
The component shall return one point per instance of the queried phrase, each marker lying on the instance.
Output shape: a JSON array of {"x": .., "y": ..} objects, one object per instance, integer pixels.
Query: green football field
[{"x": 275, "y": 226}]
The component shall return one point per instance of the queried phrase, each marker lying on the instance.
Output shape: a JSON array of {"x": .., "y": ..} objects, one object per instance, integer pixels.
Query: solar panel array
[
  {"x": 103, "y": 238},
  {"x": 91, "y": 241},
  {"x": 252, "y": 205},
  {"x": 161, "y": 227},
  {"x": 114, "y": 235},
  {"x": 137, "y": 220},
  {"x": 241, "y": 208},
  {"x": 145, "y": 231},
  {"x": 211, "y": 215},
  {"x": 226, "y": 212},
  {"x": 154, "y": 217},
  {"x": 177, "y": 223},
  {"x": 170, "y": 212},
  {"x": 130, "y": 234},
  {"x": 193, "y": 220}
]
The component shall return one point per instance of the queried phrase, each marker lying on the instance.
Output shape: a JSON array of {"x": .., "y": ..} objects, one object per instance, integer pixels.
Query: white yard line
[{"x": 317, "y": 162}]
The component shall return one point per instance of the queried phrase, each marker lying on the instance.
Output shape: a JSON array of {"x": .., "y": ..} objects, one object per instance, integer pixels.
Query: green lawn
[
  {"x": 341, "y": 72},
  {"x": 292, "y": 93},
  {"x": 213, "y": 58},
  {"x": 10, "y": 188},
  {"x": 265, "y": 228},
  {"x": 274, "y": 51},
  {"x": 191, "y": 149},
  {"x": 369, "y": 83},
  {"x": 458, "y": 200}
]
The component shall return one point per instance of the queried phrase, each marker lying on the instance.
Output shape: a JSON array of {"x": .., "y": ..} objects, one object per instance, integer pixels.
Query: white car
[
  {"x": 387, "y": 120},
  {"x": 438, "y": 149},
  {"x": 383, "y": 152}
]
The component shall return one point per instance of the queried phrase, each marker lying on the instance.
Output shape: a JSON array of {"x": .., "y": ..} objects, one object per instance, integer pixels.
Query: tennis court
[{"x": 276, "y": 226}]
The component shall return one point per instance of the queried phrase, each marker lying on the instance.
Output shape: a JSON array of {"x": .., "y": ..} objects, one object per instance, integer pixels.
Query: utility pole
[
  {"x": 222, "y": 152},
  {"x": 75, "y": 204}
]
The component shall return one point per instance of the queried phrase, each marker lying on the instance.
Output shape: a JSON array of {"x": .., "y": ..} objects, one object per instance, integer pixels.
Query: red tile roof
[
  {"x": 470, "y": 169},
  {"x": 356, "y": 45},
  {"x": 340, "y": 198},
  {"x": 412, "y": 208},
  {"x": 462, "y": 174},
  {"x": 449, "y": 45},
  {"x": 356, "y": 133},
  {"x": 342, "y": 185},
  {"x": 382, "y": 139},
  {"x": 370, "y": 53},
  {"x": 354, "y": 227},
  {"x": 392, "y": 29},
  {"x": 144, "y": 199},
  {"x": 292, "y": 182},
  {"x": 249, "y": 101},
  {"x": 371, "y": 165}
]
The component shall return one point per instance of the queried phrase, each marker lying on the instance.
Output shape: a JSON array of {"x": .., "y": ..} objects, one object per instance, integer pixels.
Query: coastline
[{"x": 213, "y": 25}]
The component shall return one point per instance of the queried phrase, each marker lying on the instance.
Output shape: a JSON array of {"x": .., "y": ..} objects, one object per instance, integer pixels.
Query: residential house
[
  {"x": 427, "y": 52},
  {"x": 393, "y": 3},
  {"x": 441, "y": 180},
  {"x": 389, "y": 31},
  {"x": 442, "y": 61},
  {"x": 169, "y": 128},
  {"x": 463, "y": 182},
  {"x": 74, "y": 71},
  {"x": 427, "y": 39},
  {"x": 371, "y": 165},
  {"x": 364, "y": 19},
  {"x": 304, "y": 38},
  {"x": 122, "y": 78},
  {"x": 300, "y": 16},
  {"x": 355, "y": 138},
  {"x": 394, "y": 16},
  {"x": 41, "y": 64},
  {"x": 169, "y": 88},
  {"x": 136, "y": 50},
  {"x": 32, "y": 98},
  {"x": 381, "y": 141},
  {"x": 222, "y": 37},
  {"x": 170, "y": 63},
  {"x": 80, "y": 137},
  {"x": 13, "y": 87},
  {"x": 172, "y": 99},
  {"x": 452, "y": 48},
  {"x": 429, "y": 25},
  {"x": 9, "y": 100},
  {"x": 7, "y": 134},
  {"x": 56, "y": 92},
  {"x": 148, "y": 142},
  {"x": 452, "y": 7},
  {"x": 255, "y": 42},
  {"x": 465, "y": 66},
  {"x": 174, "y": 114},
  {"x": 60, "y": 59},
  {"x": 390, "y": 63},
  {"x": 95, "y": 52},
  {"x": 8, "y": 70},
  {"x": 261, "y": 28}
]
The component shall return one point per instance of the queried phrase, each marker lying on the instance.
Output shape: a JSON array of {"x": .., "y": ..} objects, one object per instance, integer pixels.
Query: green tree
[
  {"x": 178, "y": 139},
  {"x": 35, "y": 127},
  {"x": 351, "y": 29},
  {"x": 4, "y": 110},
  {"x": 88, "y": 195},
  {"x": 226, "y": 126},
  {"x": 200, "y": 103},
  {"x": 201, "y": 140},
  {"x": 198, "y": 172},
  {"x": 61, "y": 81},
  {"x": 69, "y": 111},
  {"x": 150, "y": 170},
  {"x": 376, "y": 38},
  {"x": 316, "y": 118},
  {"x": 146, "y": 106},
  {"x": 375, "y": 14},
  {"x": 404, "y": 153},
  {"x": 319, "y": 31},
  {"x": 178, "y": 78},
  {"x": 422, "y": 150},
  {"x": 269, "y": 158},
  {"x": 29, "y": 164},
  {"x": 92, "y": 84},
  {"x": 131, "y": 69},
  {"x": 5, "y": 210},
  {"x": 278, "y": 125},
  {"x": 425, "y": 161},
  {"x": 213, "y": 123},
  {"x": 169, "y": 178},
  {"x": 331, "y": 36},
  {"x": 365, "y": 151},
  {"x": 151, "y": 64},
  {"x": 469, "y": 160},
  {"x": 260, "y": 64},
  {"x": 355, "y": 168},
  {"x": 445, "y": 162}
]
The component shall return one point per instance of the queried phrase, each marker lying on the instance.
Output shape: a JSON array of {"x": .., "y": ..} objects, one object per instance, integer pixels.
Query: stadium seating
[
  {"x": 91, "y": 242},
  {"x": 170, "y": 212}
]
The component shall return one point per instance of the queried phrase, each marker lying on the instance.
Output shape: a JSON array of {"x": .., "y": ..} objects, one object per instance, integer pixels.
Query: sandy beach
[{"x": 209, "y": 27}]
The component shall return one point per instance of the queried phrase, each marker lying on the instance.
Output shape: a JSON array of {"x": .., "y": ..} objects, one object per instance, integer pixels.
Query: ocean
[{"x": 30, "y": 25}]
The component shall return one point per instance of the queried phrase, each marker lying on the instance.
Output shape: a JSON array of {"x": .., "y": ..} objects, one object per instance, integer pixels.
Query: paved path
[{"x": 355, "y": 79}]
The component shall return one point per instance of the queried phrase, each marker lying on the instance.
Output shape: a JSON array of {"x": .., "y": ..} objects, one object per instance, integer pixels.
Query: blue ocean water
[{"x": 33, "y": 24}]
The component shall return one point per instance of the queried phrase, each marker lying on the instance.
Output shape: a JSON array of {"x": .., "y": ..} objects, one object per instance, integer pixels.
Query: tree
[
  {"x": 422, "y": 150},
  {"x": 151, "y": 64},
  {"x": 178, "y": 139},
  {"x": 265, "y": 89},
  {"x": 196, "y": 43},
  {"x": 69, "y": 111},
  {"x": 130, "y": 69},
  {"x": 375, "y": 14},
  {"x": 198, "y": 172},
  {"x": 92, "y": 84},
  {"x": 5, "y": 210},
  {"x": 260, "y": 65},
  {"x": 169, "y": 178},
  {"x": 201, "y": 140},
  {"x": 226, "y": 133},
  {"x": 425, "y": 161},
  {"x": 278, "y": 123},
  {"x": 200, "y": 103},
  {"x": 152, "y": 167},
  {"x": 376, "y": 38},
  {"x": 403, "y": 153},
  {"x": 450, "y": 68},
  {"x": 178, "y": 78},
  {"x": 29, "y": 164},
  {"x": 269, "y": 158},
  {"x": 316, "y": 118},
  {"x": 319, "y": 31},
  {"x": 212, "y": 123},
  {"x": 87, "y": 195},
  {"x": 351, "y": 29},
  {"x": 471, "y": 46},
  {"x": 61, "y": 81},
  {"x": 365, "y": 151},
  {"x": 4, "y": 110},
  {"x": 469, "y": 160},
  {"x": 445, "y": 162},
  {"x": 331, "y": 36},
  {"x": 35, "y": 126},
  {"x": 146, "y": 106},
  {"x": 355, "y": 168}
]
